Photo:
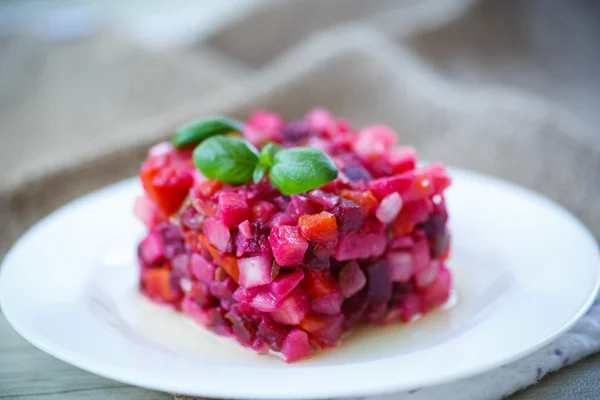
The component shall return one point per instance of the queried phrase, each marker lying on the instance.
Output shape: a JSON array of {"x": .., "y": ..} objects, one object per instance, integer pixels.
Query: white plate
[{"x": 525, "y": 271}]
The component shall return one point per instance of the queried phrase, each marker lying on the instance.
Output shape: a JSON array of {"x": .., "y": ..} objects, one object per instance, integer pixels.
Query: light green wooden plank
[
  {"x": 26, "y": 372},
  {"x": 125, "y": 393}
]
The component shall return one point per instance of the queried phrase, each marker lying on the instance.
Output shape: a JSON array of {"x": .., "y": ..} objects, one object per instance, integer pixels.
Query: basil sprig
[
  {"x": 300, "y": 169},
  {"x": 233, "y": 160},
  {"x": 195, "y": 132},
  {"x": 264, "y": 160},
  {"x": 226, "y": 158}
]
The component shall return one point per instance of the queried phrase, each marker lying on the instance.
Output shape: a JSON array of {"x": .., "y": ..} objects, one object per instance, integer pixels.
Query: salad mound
[{"x": 285, "y": 235}]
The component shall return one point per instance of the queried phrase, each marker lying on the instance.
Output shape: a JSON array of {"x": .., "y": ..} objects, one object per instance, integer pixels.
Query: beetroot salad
[{"x": 286, "y": 235}]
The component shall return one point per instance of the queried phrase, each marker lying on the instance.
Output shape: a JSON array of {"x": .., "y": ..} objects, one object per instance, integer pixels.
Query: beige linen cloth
[{"x": 400, "y": 63}]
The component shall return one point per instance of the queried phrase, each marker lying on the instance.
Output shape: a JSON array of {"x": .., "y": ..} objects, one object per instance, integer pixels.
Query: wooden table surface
[{"x": 28, "y": 373}]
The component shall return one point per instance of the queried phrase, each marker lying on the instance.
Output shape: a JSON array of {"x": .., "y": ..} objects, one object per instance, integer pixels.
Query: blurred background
[
  {"x": 507, "y": 87},
  {"x": 73, "y": 72}
]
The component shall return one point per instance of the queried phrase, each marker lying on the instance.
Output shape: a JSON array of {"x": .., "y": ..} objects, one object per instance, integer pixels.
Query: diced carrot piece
[
  {"x": 157, "y": 284},
  {"x": 208, "y": 188},
  {"x": 227, "y": 261},
  {"x": 319, "y": 228},
  {"x": 313, "y": 323},
  {"x": 319, "y": 283},
  {"x": 402, "y": 224},
  {"x": 368, "y": 202},
  {"x": 353, "y": 195}
]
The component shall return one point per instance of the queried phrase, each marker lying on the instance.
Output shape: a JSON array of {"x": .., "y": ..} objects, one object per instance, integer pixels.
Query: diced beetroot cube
[
  {"x": 356, "y": 246},
  {"x": 245, "y": 229},
  {"x": 428, "y": 275},
  {"x": 293, "y": 308},
  {"x": 217, "y": 233},
  {"x": 437, "y": 234},
  {"x": 241, "y": 244},
  {"x": 191, "y": 218},
  {"x": 379, "y": 283},
  {"x": 319, "y": 283},
  {"x": 401, "y": 265},
  {"x": 295, "y": 346},
  {"x": 284, "y": 284},
  {"x": 421, "y": 255},
  {"x": 151, "y": 249},
  {"x": 411, "y": 306},
  {"x": 243, "y": 329},
  {"x": 282, "y": 202},
  {"x": 260, "y": 347},
  {"x": 202, "y": 269},
  {"x": 272, "y": 333},
  {"x": 262, "y": 211},
  {"x": 223, "y": 289},
  {"x": 438, "y": 292},
  {"x": 401, "y": 243},
  {"x": 374, "y": 141},
  {"x": 195, "y": 310},
  {"x": 265, "y": 301},
  {"x": 326, "y": 199},
  {"x": 233, "y": 209},
  {"x": 372, "y": 225},
  {"x": 180, "y": 265},
  {"x": 259, "y": 245},
  {"x": 355, "y": 307},
  {"x": 330, "y": 304},
  {"x": 294, "y": 131},
  {"x": 326, "y": 329},
  {"x": 281, "y": 218},
  {"x": 319, "y": 228},
  {"x": 288, "y": 245},
  {"x": 350, "y": 216},
  {"x": 255, "y": 271},
  {"x": 147, "y": 211},
  {"x": 201, "y": 294},
  {"x": 210, "y": 317},
  {"x": 402, "y": 159},
  {"x": 357, "y": 173},
  {"x": 171, "y": 238},
  {"x": 263, "y": 126},
  {"x": 316, "y": 257},
  {"x": 379, "y": 167},
  {"x": 419, "y": 210},
  {"x": 321, "y": 120},
  {"x": 300, "y": 205},
  {"x": 351, "y": 279},
  {"x": 413, "y": 185},
  {"x": 383, "y": 187},
  {"x": 243, "y": 295},
  {"x": 389, "y": 208}
]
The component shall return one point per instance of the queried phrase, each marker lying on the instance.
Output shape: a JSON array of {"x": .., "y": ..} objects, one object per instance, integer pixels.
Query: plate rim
[{"x": 136, "y": 378}]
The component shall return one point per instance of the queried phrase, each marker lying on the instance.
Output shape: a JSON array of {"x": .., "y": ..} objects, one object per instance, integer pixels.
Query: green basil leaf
[
  {"x": 300, "y": 169},
  {"x": 267, "y": 153},
  {"x": 259, "y": 172},
  {"x": 197, "y": 131},
  {"x": 226, "y": 158}
]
